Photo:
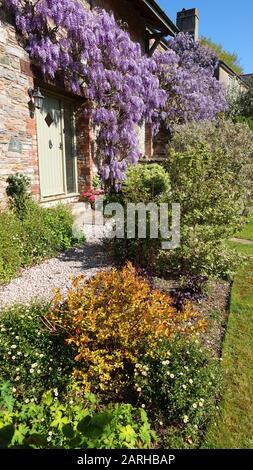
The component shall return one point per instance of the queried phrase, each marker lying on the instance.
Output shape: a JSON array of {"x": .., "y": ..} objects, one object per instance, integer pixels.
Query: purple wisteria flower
[{"x": 123, "y": 88}]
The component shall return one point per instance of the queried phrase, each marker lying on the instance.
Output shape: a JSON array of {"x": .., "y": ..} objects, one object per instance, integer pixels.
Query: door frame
[{"x": 62, "y": 98}]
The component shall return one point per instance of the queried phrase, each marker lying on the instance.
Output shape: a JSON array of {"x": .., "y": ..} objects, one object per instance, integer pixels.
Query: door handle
[
  {"x": 61, "y": 146},
  {"x": 50, "y": 144}
]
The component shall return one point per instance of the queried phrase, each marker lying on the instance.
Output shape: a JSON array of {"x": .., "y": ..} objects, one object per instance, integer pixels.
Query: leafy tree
[{"x": 231, "y": 59}]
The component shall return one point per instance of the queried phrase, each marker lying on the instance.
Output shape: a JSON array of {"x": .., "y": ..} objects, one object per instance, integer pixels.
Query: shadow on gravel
[{"x": 91, "y": 255}]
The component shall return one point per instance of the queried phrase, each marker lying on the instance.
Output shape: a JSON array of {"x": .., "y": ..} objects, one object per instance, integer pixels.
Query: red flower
[{"x": 90, "y": 195}]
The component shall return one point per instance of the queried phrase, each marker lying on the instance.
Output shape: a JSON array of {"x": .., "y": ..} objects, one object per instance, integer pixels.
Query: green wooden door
[{"x": 50, "y": 145}]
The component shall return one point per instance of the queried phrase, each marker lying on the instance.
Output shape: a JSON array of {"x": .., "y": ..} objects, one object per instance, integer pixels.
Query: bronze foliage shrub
[{"x": 112, "y": 320}]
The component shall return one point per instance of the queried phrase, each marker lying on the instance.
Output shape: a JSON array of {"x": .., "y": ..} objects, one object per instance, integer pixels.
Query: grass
[
  {"x": 247, "y": 231},
  {"x": 234, "y": 427}
]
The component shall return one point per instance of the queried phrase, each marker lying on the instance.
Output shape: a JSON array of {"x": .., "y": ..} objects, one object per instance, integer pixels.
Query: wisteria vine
[
  {"x": 187, "y": 72},
  {"x": 123, "y": 87}
]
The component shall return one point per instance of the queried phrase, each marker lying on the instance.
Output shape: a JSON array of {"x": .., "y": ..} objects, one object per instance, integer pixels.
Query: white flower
[
  {"x": 16, "y": 337},
  {"x": 191, "y": 381},
  {"x": 201, "y": 403},
  {"x": 165, "y": 363},
  {"x": 13, "y": 346},
  {"x": 185, "y": 419},
  {"x": 34, "y": 365},
  {"x": 184, "y": 387},
  {"x": 143, "y": 406},
  {"x": 139, "y": 389},
  {"x": 50, "y": 433},
  {"x": 195, "y": 405},
  {"x": 49, "y": 438},
  {"x": 31, "y": 371},
  {"x": 17, "y": 378},
  {"x": 14, "y": 389},
  {"x": 17, "y": 369},
  {"x": 13, "y": 357},
  {"x": 27, "y": 400},
  {"x": 19, "y": 353},
  {"x": 172, "y": 376},
  {"x": 39, "y": 371}
]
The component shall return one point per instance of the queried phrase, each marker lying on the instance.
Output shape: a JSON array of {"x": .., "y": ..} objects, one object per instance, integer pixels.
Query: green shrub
[
  {"x": 46, "y": 231},
  {"x": 145, "y": 183},
  {"x": 10, "y": 254},
  {"x": 32, "y": 358},
  {"x": 245, "y": 120},
  {"x": 232, "y": 141},
  {"x": 18, "y": 192},
  {"x": 40, "y": 233},
  {"x": 179, "y": 387},
  {"x": 204, "y": 183},
  {"x": 210, "y": 170},
  {"x": 70, "y": 423}
]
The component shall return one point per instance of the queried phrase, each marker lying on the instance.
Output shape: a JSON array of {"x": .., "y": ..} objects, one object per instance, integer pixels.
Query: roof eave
[{"x": 166, "y": 23}]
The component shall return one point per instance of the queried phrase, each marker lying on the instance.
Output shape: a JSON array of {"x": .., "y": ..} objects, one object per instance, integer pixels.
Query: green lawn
[
  {"x": 234, "y": 427},
  {"x": 247, "y": 231}
]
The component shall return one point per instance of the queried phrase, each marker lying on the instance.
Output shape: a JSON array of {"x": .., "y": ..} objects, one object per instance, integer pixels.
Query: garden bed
[{"x": 213, "y": 307}]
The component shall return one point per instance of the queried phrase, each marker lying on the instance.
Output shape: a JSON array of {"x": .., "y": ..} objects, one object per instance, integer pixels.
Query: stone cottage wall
[
  {"x": 18, "y": 139},
  {"x": 18, "y": 145}
]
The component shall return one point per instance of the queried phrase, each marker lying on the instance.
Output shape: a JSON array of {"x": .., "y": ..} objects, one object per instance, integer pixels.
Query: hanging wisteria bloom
[
  {"x": 97, "y": 58},
  {"x": 187, "y": 72}
]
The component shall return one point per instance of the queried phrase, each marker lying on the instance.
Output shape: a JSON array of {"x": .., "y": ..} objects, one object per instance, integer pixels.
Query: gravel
[{"x": 38, "y": 282}]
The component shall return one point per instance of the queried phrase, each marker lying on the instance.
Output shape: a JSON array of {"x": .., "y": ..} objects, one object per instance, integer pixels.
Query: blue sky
[{"x": 228, "y": 22}]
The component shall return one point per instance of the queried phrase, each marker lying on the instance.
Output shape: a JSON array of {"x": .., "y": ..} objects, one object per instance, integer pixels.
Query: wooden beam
[{"x": 154, "y": 46}]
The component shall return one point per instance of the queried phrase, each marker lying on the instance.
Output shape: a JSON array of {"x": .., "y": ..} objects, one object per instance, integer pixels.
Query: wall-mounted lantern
[{"x": 36, "y": 97}]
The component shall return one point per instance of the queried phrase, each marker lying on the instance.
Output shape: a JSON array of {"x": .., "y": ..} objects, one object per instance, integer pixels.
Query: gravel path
[{"x": 38, "y": 281}]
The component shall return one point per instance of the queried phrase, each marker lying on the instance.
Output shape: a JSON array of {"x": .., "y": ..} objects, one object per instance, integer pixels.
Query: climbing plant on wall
[{"x": 97, "y": 58}]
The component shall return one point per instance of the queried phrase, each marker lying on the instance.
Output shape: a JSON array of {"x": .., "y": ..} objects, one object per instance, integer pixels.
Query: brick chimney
[{"x": 188, "y": 22}]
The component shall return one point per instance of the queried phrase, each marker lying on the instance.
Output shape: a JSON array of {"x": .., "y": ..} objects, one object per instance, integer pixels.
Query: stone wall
[
  {"x": 18, "y": 146},
  {"x": 18, "y": 138}
]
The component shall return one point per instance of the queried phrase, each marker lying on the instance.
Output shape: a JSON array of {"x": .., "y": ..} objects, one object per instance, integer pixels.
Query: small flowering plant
[
  {"x": 180, "y": 385},
  {"x": 90, "y": 196},
  {"x": 31, "y": 358}
]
